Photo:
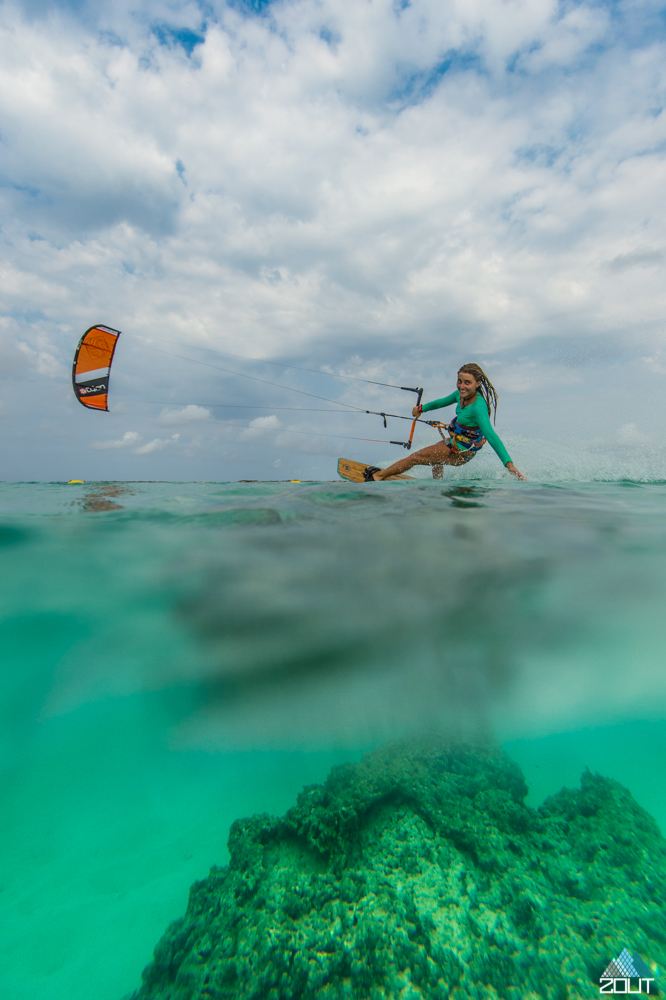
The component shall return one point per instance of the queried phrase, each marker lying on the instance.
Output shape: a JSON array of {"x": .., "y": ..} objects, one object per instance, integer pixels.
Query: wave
[{"x": 570, "y": 462}]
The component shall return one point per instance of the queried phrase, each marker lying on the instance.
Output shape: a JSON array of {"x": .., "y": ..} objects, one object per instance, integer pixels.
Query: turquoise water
[{"x": 176, "y": 655}]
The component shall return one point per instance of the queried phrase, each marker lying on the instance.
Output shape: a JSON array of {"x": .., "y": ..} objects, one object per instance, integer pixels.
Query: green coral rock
[{"x": 421, "y": 873}]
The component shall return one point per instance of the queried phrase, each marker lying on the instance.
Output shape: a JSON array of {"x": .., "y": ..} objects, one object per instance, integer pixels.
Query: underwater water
[{"x": 178, "y": 655}]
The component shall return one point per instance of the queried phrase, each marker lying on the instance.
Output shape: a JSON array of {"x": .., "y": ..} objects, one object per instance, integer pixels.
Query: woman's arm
[
  {"x": 491, "y": 435},
  {"x": 437, "y": 404},
  {"x": 493, "y": 439}
]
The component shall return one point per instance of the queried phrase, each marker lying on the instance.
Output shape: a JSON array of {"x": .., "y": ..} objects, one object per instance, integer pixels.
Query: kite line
[
  {"x": 302, "y": 392},
  {"x": 282, "y": 364},
  {"x": 94, "y": 355}
]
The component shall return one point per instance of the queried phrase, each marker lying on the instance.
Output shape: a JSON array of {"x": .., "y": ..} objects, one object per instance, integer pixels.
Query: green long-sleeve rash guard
[{"x": 474, "y": 415}]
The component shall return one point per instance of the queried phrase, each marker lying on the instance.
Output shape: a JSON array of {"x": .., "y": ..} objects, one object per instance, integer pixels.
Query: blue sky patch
[
  {"x": 183, "y": 37},
  {"x": 332, "y": 38},
  {"x": 417, "y": 87}
]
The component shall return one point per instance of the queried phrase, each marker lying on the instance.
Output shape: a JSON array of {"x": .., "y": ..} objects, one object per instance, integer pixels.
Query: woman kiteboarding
[{"x": 468, "y": 431}]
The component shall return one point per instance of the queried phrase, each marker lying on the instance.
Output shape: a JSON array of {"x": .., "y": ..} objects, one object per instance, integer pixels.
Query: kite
[{"x": 92, "y": 365}]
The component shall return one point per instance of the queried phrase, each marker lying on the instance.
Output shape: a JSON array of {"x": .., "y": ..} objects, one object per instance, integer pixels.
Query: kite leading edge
[{"x": 92, "y": 365}]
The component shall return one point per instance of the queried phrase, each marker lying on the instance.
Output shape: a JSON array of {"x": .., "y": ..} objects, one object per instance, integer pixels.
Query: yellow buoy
[
  {"x": 294, "y": 480},
  {"x": 72, "y": 481}
]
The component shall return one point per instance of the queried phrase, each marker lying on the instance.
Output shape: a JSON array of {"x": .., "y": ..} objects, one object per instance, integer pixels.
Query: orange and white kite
[{"x": 92, "y": 366}]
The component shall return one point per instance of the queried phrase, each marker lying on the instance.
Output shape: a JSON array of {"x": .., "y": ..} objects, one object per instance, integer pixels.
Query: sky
[{"x": 377, "y": 189}]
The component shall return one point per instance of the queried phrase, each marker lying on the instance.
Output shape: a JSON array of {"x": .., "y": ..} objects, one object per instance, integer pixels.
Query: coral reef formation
[{"x": 421, "y": 873}]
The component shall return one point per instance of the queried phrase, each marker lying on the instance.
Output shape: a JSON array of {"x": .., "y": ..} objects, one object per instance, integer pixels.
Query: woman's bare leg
[{"x": 435, "y": 454}]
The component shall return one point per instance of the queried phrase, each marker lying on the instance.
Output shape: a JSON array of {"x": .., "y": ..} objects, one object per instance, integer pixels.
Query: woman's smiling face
[{"x": 467, "y": 385}]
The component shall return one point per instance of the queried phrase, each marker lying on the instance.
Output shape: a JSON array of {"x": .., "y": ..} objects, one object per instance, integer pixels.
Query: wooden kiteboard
[{"x": 353, "y": 471}]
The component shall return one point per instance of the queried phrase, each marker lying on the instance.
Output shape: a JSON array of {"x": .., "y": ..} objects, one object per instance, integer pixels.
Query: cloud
[
  {"x": 657, "y": 363},
  {"x": 131, "y": 439},
  {"x": 410, "y": 186},
  {"x": 259, "y": 426},
  {"x": 641, "y": 257},
  {"x": 156, "y": 444},
  {"x": 24, "y": 348},
  {"x": 128, "y": 440},
  {"x": 185, "y": 415},
  {"x": 307, "y": 444}
]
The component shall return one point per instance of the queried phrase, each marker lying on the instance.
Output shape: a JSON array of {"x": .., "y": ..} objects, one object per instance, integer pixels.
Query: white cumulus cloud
[
  {"x": 186, "y": 414},
  {"x": 157, "y": 444},
  {"x": 259, "y": 426},
  {"x": 129, "y": 440}
]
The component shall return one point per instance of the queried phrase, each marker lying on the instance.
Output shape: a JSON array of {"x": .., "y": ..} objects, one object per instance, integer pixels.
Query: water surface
[{"x": 176, "y": 655}]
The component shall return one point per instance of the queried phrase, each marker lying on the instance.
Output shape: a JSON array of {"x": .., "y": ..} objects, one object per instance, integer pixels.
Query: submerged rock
[{"x": 421, "y": 873}]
